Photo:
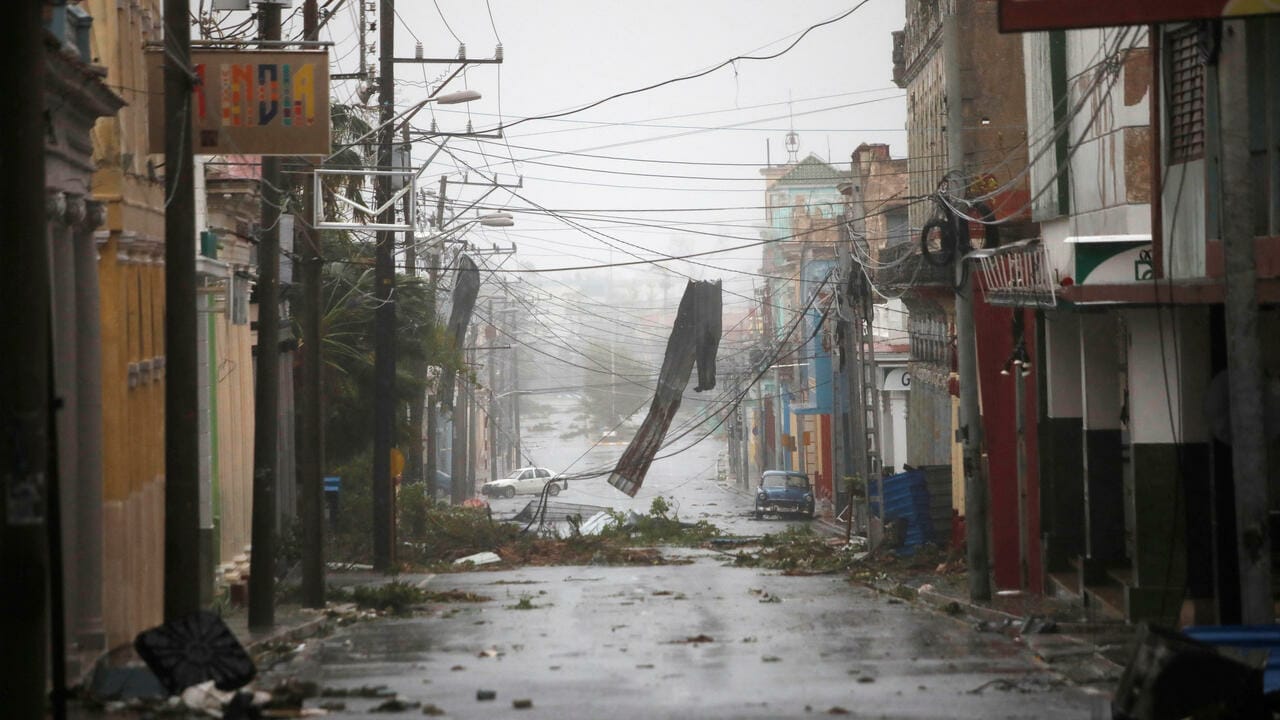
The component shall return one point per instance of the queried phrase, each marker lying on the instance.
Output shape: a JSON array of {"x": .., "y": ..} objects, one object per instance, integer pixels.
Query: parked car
[
  {"x": 528, "y": 480},
  {"x": 784, "y": 491}
]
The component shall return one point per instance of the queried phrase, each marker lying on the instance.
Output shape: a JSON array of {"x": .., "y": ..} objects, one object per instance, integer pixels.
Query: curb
[{"x": 292, "y": 633}]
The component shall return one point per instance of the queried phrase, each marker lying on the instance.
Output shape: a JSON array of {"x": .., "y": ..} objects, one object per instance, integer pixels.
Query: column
[
  {"x": 64, "y": 212},
  {"x": 1103, "y": 469},
  {"x": 1168, "y": 373},
  {"x": 1061, "y": 440},
  {"x": 89, "y": 630}
]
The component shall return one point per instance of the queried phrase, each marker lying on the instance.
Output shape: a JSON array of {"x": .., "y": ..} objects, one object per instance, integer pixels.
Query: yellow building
[{"x": 131, "y": 277}]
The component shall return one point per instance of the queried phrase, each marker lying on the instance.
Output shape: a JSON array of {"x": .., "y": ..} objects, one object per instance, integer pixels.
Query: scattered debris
[
  {"x": 480, "y": 558},
  {"x": 522, "y": 704},
  {"x": 482, "y": 695},
  {"x": 1036, "y": 625},
  {"x": 864, "y": 679},
  {"x": 333, "y": 705},
  {"x": 837, "y": 710},
  {"x": 645, "y": 666},
  {"x": 490, "y": 653},
  {"x": 395, "y": 705},
  {"x": 430, "y": 709},
  {"x": 771, "y": 659},
  {"x": 458, "y": 668},
  {"x": 364, "y": 691},
  {"x": 524, "y": 603},
  {"x": 194, "y": 648},
  {"x": 694, "y": 640}
]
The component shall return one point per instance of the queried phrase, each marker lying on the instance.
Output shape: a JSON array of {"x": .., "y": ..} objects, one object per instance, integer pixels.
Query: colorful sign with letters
[{"x": 250, "y": 102}]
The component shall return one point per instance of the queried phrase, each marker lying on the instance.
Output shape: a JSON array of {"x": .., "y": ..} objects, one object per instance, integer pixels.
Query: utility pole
[
  {"x": 181, "y": 392},
  {"x": 493, "y": 400},
  {"x": 515, "y": 403},
  {"x": 458, "y": 465},
  {"x": 384, "y": 348},
  {"x": 976, "y": 493},
  {"x": 310, "y": 430},
  {"x": 25, "y": 376},
  {"x": 433, "y": 415},
  {"x": 413, "y": 468},
  {"x": 262, "y": 562},
  {"x": 1244, "y": 357}
]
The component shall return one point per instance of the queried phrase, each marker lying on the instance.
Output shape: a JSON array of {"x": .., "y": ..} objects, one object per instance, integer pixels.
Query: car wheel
[
  {"x": 553, "y": 489},
  {"x": 509, "y": 492}
]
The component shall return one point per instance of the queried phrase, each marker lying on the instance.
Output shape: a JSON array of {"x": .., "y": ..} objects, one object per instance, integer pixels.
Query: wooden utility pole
[
  {"x": 1244, "y": 356},
  {"x": 24, "y": 375},
  {"x": 262, "y": 562},
  {"x": 181, "y": 390},
  {"x": 310, "y": 430},
  {"x": 384, "y": 345}
]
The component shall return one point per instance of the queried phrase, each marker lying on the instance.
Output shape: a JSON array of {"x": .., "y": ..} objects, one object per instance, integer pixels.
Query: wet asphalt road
[
  {"x": 702, "y": 640},
  {"x": 615, "y": 641}
]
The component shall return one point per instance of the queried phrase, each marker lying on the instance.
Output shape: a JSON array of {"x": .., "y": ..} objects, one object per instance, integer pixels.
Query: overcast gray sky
[{"x": 834, "y": 87}]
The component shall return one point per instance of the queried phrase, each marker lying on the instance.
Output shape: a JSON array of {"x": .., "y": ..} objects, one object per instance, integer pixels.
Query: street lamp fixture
[{"x": 454, "y": 98}]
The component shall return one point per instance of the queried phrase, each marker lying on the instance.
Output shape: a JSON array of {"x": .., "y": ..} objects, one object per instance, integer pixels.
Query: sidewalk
[{"x": 1087, "y": 649}]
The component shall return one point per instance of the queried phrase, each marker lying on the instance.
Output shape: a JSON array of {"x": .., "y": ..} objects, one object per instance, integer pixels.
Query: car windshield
[
  {"x": 515, "y": 474},
  {"x": 781, "y": 481}
]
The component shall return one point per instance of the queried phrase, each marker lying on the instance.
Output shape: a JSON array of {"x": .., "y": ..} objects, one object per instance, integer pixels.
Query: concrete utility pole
[
  {"x": 262, "y": 563},
  {"x": 310, "y": 430},
  {"x": 384, "y": 348},
  {"x": 181, "y": 391},
  {"x": 976, "y": 494},
  {"x": 1244, "y": 357},
  {"x": 493, "y": 400},
  {"x": 458, "y": 490},
  {"x": 25, "y": 376}
]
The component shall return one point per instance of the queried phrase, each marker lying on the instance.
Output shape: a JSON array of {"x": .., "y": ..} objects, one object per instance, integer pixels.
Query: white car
[{"x": 528, "y": 480}]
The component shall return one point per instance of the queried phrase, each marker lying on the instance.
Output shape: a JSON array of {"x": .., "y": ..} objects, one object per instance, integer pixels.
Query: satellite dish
[{"x": 1217, "y": 407}]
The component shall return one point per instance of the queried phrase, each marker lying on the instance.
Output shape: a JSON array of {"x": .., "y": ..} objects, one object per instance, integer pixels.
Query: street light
[{"x": 495, "y": 219}]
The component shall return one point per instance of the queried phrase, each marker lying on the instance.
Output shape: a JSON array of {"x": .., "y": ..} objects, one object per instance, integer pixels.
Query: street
[{"x": 703, "y": 639}]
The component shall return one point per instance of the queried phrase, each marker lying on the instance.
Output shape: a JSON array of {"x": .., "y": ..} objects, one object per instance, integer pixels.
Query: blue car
[{"x": 784, "y": 491}]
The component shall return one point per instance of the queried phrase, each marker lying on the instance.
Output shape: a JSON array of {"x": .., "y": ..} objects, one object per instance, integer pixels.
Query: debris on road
[
  {"x": 433, "y": 710},
  {"x": 522, "y": 704},
  {"x": 482, "y": 695},
  {"x": 480, "y": 558},
  {"x": 395, "y": 705},
  {"x": 694, "y": 640}
]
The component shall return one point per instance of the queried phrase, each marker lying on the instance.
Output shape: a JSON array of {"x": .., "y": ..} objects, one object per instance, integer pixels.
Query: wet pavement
[{"x": 700, "y": 640}]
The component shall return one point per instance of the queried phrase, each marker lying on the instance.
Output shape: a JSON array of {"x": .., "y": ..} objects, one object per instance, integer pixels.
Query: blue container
[
  {"x": 906, "y": 499},
  {"x": 1245, "y": 637}
]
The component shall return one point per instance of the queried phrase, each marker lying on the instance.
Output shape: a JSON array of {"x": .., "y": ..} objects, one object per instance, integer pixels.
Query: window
[{"x": 1186, "y": 95}]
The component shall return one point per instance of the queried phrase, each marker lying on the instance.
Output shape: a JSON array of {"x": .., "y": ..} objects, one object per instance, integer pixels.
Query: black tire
[
  {"x": 553, "y": 489},
  {"x": 945, "y": 252},
  {"x": 508, "y": 492}
]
